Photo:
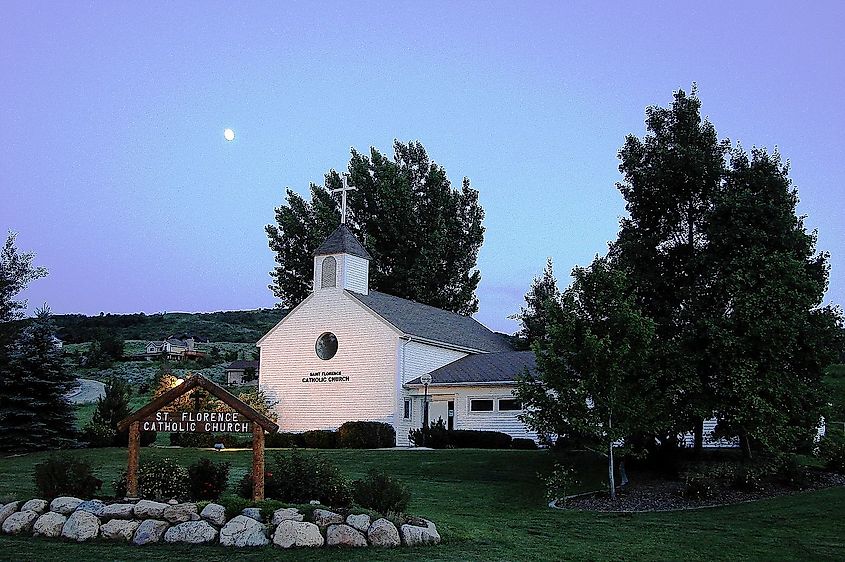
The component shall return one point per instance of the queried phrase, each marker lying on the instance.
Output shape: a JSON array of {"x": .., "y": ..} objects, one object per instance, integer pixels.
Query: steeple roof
[{"x": 342, "y": 241}]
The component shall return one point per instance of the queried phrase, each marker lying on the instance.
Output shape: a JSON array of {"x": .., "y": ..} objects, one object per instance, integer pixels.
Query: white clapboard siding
[
  {"x": 366, "y": 353},
  {"x": 709, "y": 441},
  {"x": 356, "y": 274},
  {"x": 506, "y": 422},
  {"x": 421, "y": 358}
]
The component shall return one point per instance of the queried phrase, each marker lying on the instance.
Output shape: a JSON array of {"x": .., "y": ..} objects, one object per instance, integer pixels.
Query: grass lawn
[{"x": 489, "y": 505}]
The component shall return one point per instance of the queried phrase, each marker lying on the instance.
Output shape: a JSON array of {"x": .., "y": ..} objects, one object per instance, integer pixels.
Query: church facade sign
[{"x": 325, "y": 376}]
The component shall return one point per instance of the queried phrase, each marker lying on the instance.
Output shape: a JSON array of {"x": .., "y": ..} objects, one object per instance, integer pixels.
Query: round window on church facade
[{"x": 326, "y": 346}]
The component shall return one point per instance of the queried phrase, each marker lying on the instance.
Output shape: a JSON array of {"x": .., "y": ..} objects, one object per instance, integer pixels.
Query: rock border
[{"x": 143, "y": 522}]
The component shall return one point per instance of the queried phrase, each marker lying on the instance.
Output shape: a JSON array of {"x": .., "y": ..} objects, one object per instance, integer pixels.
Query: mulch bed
[{"x": 654, "y": 494}]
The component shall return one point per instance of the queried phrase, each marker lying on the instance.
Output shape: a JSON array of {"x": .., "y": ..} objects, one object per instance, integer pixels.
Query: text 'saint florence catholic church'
[{"x": 347, "y": 353}]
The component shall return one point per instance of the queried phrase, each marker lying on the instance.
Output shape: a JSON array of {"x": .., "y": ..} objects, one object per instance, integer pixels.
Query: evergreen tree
[
  {"x": 772, "y": 338},
  {"x": 671, "y": 177},
  {"x": 534, "y": 317},
  {"x": 424, "y": 235},
  {"x": 34, "y": 412}
]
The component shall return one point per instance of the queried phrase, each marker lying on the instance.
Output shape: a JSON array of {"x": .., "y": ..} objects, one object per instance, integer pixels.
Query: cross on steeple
[{"x": 343, "y": 191}]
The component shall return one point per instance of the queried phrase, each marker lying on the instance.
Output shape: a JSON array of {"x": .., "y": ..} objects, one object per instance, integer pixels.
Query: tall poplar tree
[
  {"x": 423, "y": 234},
  {"x": 670, "y": 178},
  {"x": 772, "y": 337}
]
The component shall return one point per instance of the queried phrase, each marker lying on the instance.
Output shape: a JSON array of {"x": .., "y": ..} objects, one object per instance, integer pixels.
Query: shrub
[
  {"x": 749, "y": 476},
  {"x": 832, "y": 451},
  {"x": 366, "y": 435},
  {"x": 65, "y": 476},
  {"x": 435, "y": 436},
  {"x": 207, "y": 480},
  {"x": 297, "y": 477},
  {"x": 560, "y": 482},
  {"x": 524, "y": 444},
  {"x": 98, "y": 435},
  {"x": 698, "y": 486},
  {"x": 381, "y": 492},
  {"x": 466, "y": 439},
  {"x": 158, "y": 479},
  {"x": 319, "y": 439}
]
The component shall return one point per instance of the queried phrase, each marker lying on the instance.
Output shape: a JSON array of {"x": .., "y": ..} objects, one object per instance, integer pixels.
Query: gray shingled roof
[
  {"x": 428, "y": 322},
  {"x": 242, "y": 364},
  {"x": 342, "y": 241},
  {"x": 484, "y": 368}
]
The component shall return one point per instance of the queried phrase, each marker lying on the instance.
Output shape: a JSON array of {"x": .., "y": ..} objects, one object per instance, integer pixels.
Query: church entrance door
[{"x": 438, "y": 409}]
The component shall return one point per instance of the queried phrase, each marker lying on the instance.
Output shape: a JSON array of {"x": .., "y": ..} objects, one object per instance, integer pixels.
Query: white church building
[{"x": 347, "y": 353}]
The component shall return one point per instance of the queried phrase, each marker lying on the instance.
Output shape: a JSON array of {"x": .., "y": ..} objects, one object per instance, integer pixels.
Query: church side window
[
  {"x": 509, "y": 405},
  {"x": 480, "y": 405},
  {"x": 407, "y": 413},
  {"x": 329, "y": 275}
]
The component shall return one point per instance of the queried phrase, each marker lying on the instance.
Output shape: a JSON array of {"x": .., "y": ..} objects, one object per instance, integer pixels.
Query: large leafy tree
[
  {"x": 423, "y": 234},
  {"x": 533, "y": 317},
  {"x": 590, "y": 365},
  {"x": 772, "y": 337},
  {"x": 670, "y": 178},
  {"x": 34, "y": 410}
]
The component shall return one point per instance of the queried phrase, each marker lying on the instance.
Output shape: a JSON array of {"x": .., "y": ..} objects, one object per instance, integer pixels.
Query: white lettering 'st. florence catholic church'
[{"x": 346, "y": 353}]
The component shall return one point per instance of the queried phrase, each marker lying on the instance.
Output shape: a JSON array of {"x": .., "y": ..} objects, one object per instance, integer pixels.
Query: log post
[
  {"x": 132, "y": 466},
  {"x": 257, "y": 462}
]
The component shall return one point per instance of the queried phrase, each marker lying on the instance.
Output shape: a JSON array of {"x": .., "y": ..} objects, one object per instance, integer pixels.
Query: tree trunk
[
  {"x": 699, "y": 437},
  {"x": 745, "y": 444},
  {"x": 610, "y": 477}
]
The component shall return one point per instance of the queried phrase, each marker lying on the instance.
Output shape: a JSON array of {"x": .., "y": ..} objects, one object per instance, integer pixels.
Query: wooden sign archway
[{"x": 260, "y": 424}]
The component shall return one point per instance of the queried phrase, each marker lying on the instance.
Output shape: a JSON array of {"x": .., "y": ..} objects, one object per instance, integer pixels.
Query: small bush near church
[
  {"x": 698, "y": 486},
  {"x": 158, "y": 479},
  {"x": 524, "y": 444},
  {"x": 297, "y": 477},
  {"x": 560, "y": 482},
  {"x": 366, "y": 435},
  {"x": 319, "y": 439},
  {"x": 468, "y": 439},
  {"x": 207, "y": 480},
  {"x": 381, "y": 492},
  {"x": 435, "y": 436},
  {"x": 65, "y": 476},
  {"x": 832, "y": 451}
]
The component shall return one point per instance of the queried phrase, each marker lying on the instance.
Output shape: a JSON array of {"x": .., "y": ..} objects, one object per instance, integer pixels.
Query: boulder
[
  {"x": 214, "y": 513},
  {"x": 119, "y": 529},
  {"x": 359, "y": 522},
  {"x": 94, "y": 507},
  {"x": 19, "y": 522},
  {"x": 38, "y": 506},
  {"x": 253, "y": 512},
  {"x": 65, "y": 505},
  {"x": 413, "y": 535},
  {"x": 7, "y": 510},
  {"x": 324, "y": 517},
  {"x": 383, "y": 533},
  {"x": 150, "y": 531},
  {"x": 286, "y": 514},
  {"x": 147, "y": 509},
  {"x": 118, "y": 511},
  {"x": 49, "y": 525},
  {"x": 180, "y": 513},
  {"x": 193, "y": 532},
  {"x": 81, "y": 526},
  {"x": 344, "y": 535},
  {"x": 297, "y": 533},
  {"x": 243, "y": 531}
]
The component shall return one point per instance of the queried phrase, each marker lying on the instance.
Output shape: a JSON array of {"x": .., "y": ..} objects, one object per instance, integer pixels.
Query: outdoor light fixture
[{"x": 426, "y": 380}]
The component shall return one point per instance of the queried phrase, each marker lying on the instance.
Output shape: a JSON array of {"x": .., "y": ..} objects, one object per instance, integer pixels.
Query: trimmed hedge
[
  {"x": 438, "y": 437},
  {"x": 366, "y": 435}
]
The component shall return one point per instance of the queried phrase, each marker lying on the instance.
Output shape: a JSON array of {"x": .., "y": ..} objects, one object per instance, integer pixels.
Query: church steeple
[{"x": 342, "y": 262}]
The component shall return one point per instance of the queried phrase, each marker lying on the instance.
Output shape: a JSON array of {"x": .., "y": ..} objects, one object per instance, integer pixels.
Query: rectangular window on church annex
[
  {"x": 480, "y": 405},
  {"x": 407, "y": 413},
  {"x": 509, "y": 405}
]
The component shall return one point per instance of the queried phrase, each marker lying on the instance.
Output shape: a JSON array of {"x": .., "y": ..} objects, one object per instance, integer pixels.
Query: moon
[{"x": 229, "y": 135}]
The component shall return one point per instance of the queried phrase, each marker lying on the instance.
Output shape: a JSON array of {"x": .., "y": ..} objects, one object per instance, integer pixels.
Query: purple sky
[{"x": 115, "y": 171}]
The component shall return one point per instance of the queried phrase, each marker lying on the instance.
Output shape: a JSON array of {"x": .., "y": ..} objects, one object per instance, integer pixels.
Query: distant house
[
  {"x": 242, "y": 372},
  {"x": 171, "y": 349}
]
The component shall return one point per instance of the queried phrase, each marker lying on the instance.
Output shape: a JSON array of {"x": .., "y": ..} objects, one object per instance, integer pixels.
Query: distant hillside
[{"x": 245, "y": 326}]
